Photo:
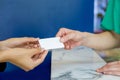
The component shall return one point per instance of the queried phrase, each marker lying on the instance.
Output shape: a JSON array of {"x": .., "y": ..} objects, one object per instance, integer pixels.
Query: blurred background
[
  {"x": 43, "y": 18},
  {"x": 99, "y": 12}
]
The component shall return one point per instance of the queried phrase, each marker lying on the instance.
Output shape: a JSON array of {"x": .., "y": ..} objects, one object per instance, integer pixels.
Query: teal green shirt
[{"x": 111, "y": 21}]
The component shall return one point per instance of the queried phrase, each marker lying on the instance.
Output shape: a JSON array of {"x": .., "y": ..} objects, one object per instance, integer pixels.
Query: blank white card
[{"x": 51, "y": 43}]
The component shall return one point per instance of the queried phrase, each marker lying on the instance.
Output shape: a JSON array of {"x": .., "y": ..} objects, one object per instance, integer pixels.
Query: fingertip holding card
[{"x": 51, "y": 43}]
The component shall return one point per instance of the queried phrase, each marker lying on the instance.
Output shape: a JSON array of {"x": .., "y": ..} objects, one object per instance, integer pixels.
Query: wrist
[{"x": 86, "y": 38}]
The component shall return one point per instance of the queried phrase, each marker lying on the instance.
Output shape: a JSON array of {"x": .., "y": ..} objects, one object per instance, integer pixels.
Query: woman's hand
[
  {"x": 112, "y": 68},
  {"x": 27, "y": 59},
  {"x": 71, "y": 38}
]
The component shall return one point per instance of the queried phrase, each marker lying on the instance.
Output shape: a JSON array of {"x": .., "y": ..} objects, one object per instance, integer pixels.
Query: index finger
[
  {"x": 62, "y": 32},
  {"x": 41, "y": 58}
]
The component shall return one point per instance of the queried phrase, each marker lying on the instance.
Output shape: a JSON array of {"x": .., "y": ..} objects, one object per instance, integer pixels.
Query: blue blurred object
[{"x": 41, "y": 18}]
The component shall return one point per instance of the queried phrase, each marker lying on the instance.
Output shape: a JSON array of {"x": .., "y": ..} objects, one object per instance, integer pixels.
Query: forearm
[
  {"x": 105, "y": 40},
  {"x": 2, "y": 46}
]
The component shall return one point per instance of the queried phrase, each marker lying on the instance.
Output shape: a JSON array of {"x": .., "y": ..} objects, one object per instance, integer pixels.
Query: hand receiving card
[{"x": 51, "y": 43}]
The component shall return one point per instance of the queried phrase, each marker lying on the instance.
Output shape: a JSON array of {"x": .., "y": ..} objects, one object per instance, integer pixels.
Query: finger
[
  {"x": 41, "y": 54},
  {"x": 67, "y": 37},
  {"x": 102, "y": 69},
  {"x": 116, "y": 73},
  {"x": 35, "y": 57},
  {"x": 62, "y": 31},
  {"x": 66, "y": 45},
  {"x": 109, "y": 68},
  {"x": 33, "y": 45},
  {"x": 35, "y": 51},
  {"x": 69, "y": 44},
  {"x": 41, "y": 59},
  {"x": 115, "y": 68},
  {"x": 36, "y": 46},
  {"x": 23, "y": 41},
  {"x": 36, "y": 60},
  {"x": 112, "y": 64},
  {"x": 26, "y": 39}
]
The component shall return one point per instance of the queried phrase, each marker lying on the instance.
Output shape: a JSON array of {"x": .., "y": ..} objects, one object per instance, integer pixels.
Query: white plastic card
[{"x": 51, "y": 43}]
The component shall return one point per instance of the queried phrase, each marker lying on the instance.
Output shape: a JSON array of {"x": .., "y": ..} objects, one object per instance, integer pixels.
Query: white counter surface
[{"x": 77, "y": 64}]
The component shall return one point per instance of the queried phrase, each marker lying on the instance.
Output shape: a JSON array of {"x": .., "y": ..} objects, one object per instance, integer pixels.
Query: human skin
[
  {"x": 22, "y": 52},
  {"x": 102, "y": 41}
]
